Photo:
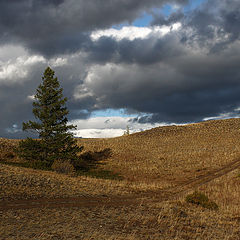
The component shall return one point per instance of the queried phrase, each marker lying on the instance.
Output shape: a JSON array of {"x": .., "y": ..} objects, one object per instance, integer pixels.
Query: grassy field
[
  {"x": 150, "y": 163},
  {"x": 169, "y": 155}
]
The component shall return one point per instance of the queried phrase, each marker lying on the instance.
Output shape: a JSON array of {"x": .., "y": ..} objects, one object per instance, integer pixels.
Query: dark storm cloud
[
  {"x": 176, "y": 80},
  {"x": 212, "y": 28},
  {"x": 163, "y": 20},
  {"x": 140, "y": 51},
  {"x": 15, "y": 107},
  {"x": 185, "y": 89},
  {"x": 58, "y": 26},
  {"x": 16, "y": 104},
  {"x": 198, "y": 105},
  {"x": 183, "y": 76},
  {"x": 215, "y": 25},
  {"x": 102, "y": 51}
]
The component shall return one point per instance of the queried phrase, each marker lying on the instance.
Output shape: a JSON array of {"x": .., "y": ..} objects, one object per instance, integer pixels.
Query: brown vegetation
[{"x": 156, "y": 165}]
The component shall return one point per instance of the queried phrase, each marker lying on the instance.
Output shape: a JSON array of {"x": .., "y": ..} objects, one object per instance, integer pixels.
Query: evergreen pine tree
[{"x": 56, "y": 142}]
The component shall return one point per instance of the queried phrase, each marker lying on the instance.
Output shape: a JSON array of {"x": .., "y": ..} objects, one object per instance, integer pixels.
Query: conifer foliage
[{"x": 56, "y": 141}]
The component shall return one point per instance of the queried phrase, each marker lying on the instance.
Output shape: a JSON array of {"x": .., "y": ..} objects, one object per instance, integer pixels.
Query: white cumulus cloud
[
  {"x": 16, "y": 67},
  {"x": 133, "y": 32},
  {"x": 106, "y": 127}
]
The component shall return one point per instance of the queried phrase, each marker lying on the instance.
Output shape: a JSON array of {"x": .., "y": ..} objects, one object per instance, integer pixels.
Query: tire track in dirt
[
  {"x": 177, "y": 191},
  {"x": 83, "y": 201},
  {"x": 117, "y": 201}
]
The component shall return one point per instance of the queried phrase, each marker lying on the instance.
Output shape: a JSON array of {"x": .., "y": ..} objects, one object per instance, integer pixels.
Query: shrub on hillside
[
  {"x": 89, "y": 160},
  {"x": 63, "y": 167},
  {"x": 202, "y": 200}
]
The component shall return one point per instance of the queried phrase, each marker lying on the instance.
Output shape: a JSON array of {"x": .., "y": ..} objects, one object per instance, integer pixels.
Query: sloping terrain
[
  {"x": 159, "y": 167},
  {"x": 110, "y": 200},
  {"x": 173, "y": 154}
]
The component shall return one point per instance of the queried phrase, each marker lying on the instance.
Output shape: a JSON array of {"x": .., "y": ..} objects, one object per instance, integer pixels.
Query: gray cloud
[
  {"x": 184, "y": 76},
  {"x": 214, "y": 25},
  {"x": 15, "y": 100},
  {"x": 208, "y": 28},
  {"x": 185, "y": 89},
  {"x": 174, "y": 17},
  {"x": 58, "y": 26},
  {"x": 141, "y": 51}
]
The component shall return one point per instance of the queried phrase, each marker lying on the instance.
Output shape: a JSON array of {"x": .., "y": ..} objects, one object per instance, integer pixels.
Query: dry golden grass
[
  {"x": 158, "y": 159},
  {"x": 168, "y": 155},
  {"x": 175, "y": 220},
  {"x": 6, "y": 150},
  {"x": 24, "y": 183},
  {"x": 226, "y": 193}
]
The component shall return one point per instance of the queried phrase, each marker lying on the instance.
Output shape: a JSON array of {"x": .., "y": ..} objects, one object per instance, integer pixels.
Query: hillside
[
  {"x": 159, "y": 168},
  {"x": 172, "y": 153}
]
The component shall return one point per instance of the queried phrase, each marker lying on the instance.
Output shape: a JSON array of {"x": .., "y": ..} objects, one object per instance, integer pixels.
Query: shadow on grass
[
  {"x": 35, "y": 165},
  {"x": 100, "y": 173},
  {"x": 90, "y": 161}
]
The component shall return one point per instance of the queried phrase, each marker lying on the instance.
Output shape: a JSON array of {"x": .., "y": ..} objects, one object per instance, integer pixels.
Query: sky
[{"x": 134, "y": 63}]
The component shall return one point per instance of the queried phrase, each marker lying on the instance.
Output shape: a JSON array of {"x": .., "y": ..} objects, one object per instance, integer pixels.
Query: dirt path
[
  {"x": 115, "y": 201},
  {"x": 201, "y": 180}
]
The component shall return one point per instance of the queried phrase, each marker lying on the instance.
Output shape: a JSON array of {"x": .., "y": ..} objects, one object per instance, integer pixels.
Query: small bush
[
  {"x": 90, "y": 160},
  {"x": 202, "y": 200},
  {"x": 63, "y": 167}
]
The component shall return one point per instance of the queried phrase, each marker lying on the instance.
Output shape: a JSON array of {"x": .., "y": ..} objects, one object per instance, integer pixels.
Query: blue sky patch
[
  {"x": 167, "y": 9},
  {"x": 110, "y": 113}
]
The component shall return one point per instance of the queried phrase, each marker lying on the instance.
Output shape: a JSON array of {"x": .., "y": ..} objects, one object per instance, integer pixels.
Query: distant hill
[{"x": 173, "y": 150}]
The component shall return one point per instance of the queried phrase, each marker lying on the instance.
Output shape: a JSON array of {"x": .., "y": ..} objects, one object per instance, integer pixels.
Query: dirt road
[{"x": 88, "y": 201}]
